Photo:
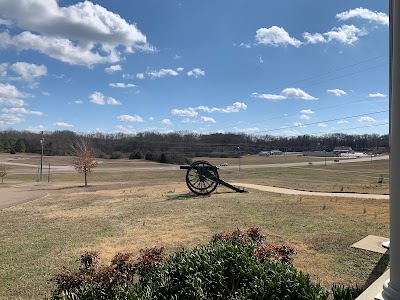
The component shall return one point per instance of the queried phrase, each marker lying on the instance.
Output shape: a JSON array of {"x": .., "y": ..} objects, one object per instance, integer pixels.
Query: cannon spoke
[{"x": 202, "y": 178}]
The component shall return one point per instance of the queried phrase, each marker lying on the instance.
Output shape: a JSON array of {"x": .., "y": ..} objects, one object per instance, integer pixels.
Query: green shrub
[
  {"x": 234, "y": 265},
  {"x": 136, "y": 155},
  {"x": 116, "y": 155},
  {"x": 225, "y": 270},
  {"x": 340, "y": 292}
]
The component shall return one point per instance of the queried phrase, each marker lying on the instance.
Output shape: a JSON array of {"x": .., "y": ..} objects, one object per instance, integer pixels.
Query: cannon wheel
[{"x": 202, "y": 178}]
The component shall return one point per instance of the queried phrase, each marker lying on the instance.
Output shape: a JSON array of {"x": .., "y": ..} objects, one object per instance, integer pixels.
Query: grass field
[{"x": 127, "y": 211}]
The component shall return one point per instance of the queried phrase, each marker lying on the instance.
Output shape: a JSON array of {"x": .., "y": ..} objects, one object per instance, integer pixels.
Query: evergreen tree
[{"x": 20, "y": 146}]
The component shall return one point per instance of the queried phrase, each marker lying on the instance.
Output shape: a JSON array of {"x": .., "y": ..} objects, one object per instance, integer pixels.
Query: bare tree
[
  {"x": 84, "y": 160},
  {"x": 3, "y": 172}
]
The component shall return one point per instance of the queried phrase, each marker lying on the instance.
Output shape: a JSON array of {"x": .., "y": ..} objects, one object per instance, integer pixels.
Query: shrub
[
  {"x": 340, "y": 292},
  {"x": 136, "y": 155},
  {"x": 164, "y": 159},
  {"x": 234, "y": 265},
  {"x": 116, "y": 155},
  {"x": 225, "y": 270},
  {"x": 149, "y": 156}
]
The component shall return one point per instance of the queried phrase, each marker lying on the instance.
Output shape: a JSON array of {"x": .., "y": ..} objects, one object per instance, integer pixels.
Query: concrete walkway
[{"x": 278, "y": 190}]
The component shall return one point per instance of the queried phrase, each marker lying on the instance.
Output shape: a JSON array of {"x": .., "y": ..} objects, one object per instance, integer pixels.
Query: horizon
[{"x": 265, "y": 68}]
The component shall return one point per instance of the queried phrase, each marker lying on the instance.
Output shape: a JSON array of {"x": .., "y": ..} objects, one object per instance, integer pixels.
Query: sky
[{"x": 260, "y": 67}]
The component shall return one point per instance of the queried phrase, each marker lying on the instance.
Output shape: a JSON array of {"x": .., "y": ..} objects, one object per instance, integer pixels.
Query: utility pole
[
  {"x": 239, "y": 156},
  {"x": 41, "y": 158}
]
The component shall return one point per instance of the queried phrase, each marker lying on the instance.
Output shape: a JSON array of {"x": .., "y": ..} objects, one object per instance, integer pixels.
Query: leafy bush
[
  {"x": 340, "y": 292},
  {"x": 234, "y": 265},
  {"x": 116, "y": 155},
  {"x": 149, "y": 156},
  {"x": 136, "y": 155}
]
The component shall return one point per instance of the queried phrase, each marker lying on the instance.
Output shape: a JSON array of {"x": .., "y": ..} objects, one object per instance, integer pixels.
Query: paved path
[
  {"x": 13, "y": 196},
  {"x": 277, "y": 190}
]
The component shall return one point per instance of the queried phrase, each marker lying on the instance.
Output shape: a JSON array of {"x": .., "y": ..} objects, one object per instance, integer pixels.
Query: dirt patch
[{"x": 10, "y": 197}]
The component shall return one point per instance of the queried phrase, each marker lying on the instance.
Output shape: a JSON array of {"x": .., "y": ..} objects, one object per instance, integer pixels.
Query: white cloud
[
  {"x": 166, "y": 122},
  {"x": 9, "y": 95},
  {"x": 275, "y": 36},
  {"x": 322, "y": 125},
  {"x": 342, "y": 122},
  {"x": 247, "y": 130},
  {"x": 208, "y": 119},
  {"x": 297, "y": 93},
  {"x": 196, "y": 73},
  {"x": 337, "y": 92},
  {"x": 57, "y": 48},
  {"x": 313, "y": 38},
  {"x": 236, "y": 107},
  {"x": 46, "y": 94},
  {"x": 298, "y": 124},
  {"x": 346, "y": 34},
  {"x": 268, "y": 96},
  {"x": 122, "y": 85},
  {"x": 78, "y": 102},
  {"x": 73, "y": 33},
  {"x": 162, "y": 73},
  {"x": 21, "y": 111},
  {"x": 377, "y": 95},
  {"x": 112, "y": 101},
  {"x": 366, "y": 120},
  {"x": 112, "y": 69},
  {"x": 3, "y": 69},
  {"x": 100, "y": 99},
  {"x": 244, "y": 45},
  {"x": 188, "y": 112},
  {"x": 291, "y": 132},
  {"x": 36, "y": 129},
  {"x": 129, "y": 118},
  {"x": 366, "y": 14},
  {"x": 63, "y": 124},
  {"x": 140, "y": 76},
  {"x": 307, "y": 111},
  {"x": 97, "y": 98},
  {"x": 305, "y": 117},
  {"x": 10, "y": 119},
  {"x": 180, "y": 69},
  {"x": 286, "y": 94},
  {"x": 11, "y": 91},
  {"x": 125, "y": 129},
  {"x": 28, "y": 72}
]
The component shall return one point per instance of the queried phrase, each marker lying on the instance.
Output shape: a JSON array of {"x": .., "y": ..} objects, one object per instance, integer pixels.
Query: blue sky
[{"x": 261, "y": 67}]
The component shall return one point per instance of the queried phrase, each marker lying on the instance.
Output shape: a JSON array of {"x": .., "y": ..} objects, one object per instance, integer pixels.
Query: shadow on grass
[
  {"x": 188, "y": 196},
  {"x": 378, "y": 270}
]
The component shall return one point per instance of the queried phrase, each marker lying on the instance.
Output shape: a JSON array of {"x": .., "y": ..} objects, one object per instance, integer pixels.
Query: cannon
[{"x": 202, "y": 178}]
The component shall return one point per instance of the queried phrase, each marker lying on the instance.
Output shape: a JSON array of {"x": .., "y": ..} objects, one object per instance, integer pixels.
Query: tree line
[{"x": 180, "y": 146}]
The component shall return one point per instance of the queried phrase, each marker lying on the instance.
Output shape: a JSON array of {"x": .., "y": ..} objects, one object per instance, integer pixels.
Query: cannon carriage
[{"x": 202, "y": 178}]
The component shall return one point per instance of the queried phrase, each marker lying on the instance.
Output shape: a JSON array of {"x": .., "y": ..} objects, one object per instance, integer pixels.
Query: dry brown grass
[{"x": 40, "y": 236}]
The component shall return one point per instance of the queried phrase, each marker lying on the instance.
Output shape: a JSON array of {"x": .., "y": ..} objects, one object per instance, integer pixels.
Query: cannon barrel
[{"x": 187, "y": 167}]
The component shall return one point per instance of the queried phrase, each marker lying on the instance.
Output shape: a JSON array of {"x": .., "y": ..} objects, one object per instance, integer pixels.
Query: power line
[
  {"x": 317, "y": 76},
  {"x": 324, "y": 121}
]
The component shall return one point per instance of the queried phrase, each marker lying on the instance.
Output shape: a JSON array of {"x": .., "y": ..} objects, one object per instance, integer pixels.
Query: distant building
[
  {"x": 342, "y": 149},
  {"x": 268, "y": 153},
  {"x": 276, "y": 152}
]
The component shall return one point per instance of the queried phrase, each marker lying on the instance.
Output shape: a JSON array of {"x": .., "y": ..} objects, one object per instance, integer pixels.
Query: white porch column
[{"x": 391, "y": 289}]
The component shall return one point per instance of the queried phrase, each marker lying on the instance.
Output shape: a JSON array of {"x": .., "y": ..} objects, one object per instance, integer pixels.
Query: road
[{"x": 33, "y": 169}]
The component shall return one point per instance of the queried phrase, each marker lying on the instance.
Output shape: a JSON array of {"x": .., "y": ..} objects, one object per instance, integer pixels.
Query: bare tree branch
[{"x": 84, "y": 160}]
